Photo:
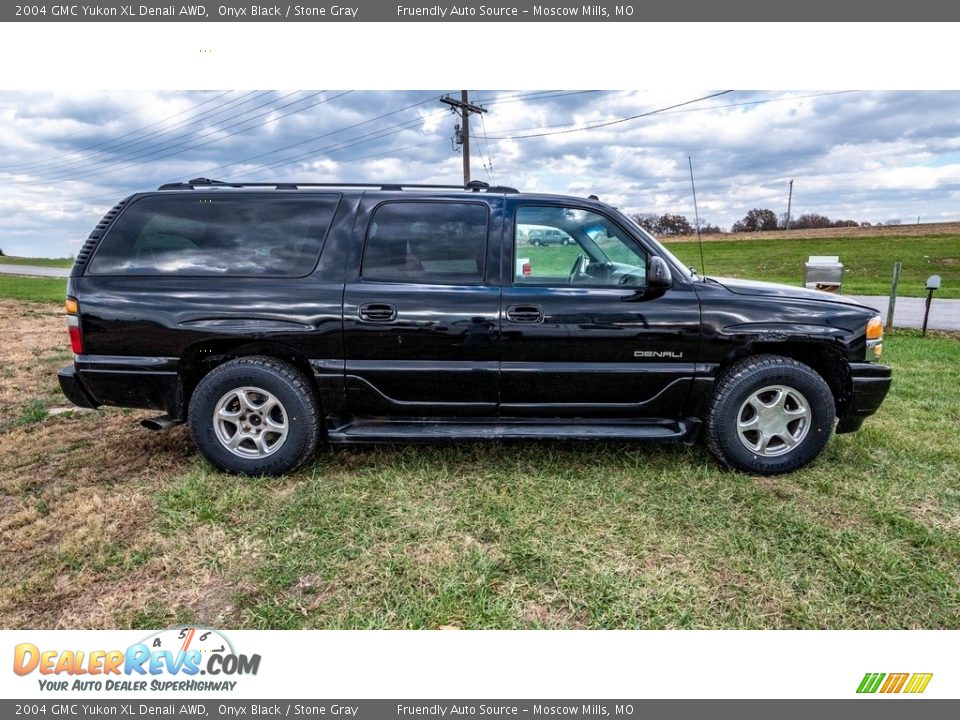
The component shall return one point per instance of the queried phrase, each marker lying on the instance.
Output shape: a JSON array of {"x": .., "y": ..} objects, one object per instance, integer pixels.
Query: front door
[
  {"x": 420, "y": 317},
  {"x": 581, "y": 333}
]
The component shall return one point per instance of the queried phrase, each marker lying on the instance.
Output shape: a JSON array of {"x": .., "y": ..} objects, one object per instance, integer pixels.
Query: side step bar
[{"x": 429, "y": 430}]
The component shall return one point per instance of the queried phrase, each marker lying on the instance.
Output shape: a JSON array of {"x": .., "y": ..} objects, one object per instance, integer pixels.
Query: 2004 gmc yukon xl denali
[{"x": 270, "y": 317}]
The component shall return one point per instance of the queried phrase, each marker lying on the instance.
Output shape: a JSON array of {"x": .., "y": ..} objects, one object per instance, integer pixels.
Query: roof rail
[{"x": 472, "y": 186}]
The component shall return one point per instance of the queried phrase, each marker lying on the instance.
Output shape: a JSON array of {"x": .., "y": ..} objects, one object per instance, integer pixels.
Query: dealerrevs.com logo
[{"x": 171, "y": 660}]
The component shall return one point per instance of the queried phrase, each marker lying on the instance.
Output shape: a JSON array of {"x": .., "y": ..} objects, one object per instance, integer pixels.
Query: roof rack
[{"x": 472, "y": 186}]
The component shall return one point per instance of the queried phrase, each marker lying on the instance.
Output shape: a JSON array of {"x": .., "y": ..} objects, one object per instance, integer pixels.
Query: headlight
[{"x": 875, "y": 336}]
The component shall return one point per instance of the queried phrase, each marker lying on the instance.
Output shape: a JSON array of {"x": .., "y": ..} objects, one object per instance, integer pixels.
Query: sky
[{"x": 877, "y": 156}]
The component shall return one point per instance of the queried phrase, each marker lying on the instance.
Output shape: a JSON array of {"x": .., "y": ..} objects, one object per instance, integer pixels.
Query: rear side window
[
  {"x": 426, "y": 242},
  {"x": 228, "y": 236}
]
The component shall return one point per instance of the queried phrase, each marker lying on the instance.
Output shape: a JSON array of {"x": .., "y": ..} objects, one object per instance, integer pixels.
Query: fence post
[{"x": 893, "y": 294}]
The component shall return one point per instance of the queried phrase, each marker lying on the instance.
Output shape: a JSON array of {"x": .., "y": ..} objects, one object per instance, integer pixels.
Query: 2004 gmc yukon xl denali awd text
[{"x": 272, "y": 316}]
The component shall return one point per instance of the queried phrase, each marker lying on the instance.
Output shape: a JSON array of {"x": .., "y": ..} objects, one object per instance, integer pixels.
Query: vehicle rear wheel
[
  {"x": 255, "y": 416},
  {"x": 769, "y": 414}
]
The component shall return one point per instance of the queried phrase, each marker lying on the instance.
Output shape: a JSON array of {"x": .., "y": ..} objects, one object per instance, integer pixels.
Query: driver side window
[{"x": 569, "y": 246}]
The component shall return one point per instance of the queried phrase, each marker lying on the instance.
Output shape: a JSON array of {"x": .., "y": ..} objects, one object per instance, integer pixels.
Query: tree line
[{"x": 756, "y": 220}]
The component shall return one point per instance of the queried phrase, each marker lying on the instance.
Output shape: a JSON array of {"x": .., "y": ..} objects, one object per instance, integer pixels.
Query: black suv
[{"x": 270, "y": 317}]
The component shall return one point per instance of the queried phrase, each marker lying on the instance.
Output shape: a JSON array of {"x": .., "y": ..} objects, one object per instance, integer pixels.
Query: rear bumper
[
  {"x": 137, "y": 382},
  {"x": 74, "y": 389},
  {"x": 871, "y": 383}
]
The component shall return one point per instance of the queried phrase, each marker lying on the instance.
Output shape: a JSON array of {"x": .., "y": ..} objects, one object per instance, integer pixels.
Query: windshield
[{"x": 678, "y": 264}]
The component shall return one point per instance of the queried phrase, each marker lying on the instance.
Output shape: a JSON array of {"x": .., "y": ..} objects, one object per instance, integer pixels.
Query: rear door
[
  {"x": 582, "y": 335},
  {"x": 421, "y": 307}
]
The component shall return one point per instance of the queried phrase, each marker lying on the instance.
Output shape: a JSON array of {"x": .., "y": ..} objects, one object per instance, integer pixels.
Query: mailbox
[{"x": 823, "y": 272}]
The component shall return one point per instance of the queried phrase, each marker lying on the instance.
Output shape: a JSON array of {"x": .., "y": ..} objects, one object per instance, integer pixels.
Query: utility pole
[
  {"x": 462, "y": 137},
  {"x": 789, "y": 204}
]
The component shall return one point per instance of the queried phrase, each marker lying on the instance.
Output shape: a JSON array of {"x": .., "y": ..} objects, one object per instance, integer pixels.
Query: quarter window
[
  {"x": 426, "y": 242},
  {"x": 570, "y": 246},
  {"x": 205, "y": 234}
]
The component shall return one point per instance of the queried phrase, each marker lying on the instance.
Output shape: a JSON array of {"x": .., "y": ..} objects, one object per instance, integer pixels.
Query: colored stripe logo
[{"x": 913, "y": 683}]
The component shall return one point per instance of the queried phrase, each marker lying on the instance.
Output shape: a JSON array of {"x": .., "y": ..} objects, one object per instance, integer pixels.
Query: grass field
[
  {"x": 868, "y": 261},
  {"x": 40, "y": 262},
  {"x": 45, "y": 290},
  {"x": 103, "y": 524}
]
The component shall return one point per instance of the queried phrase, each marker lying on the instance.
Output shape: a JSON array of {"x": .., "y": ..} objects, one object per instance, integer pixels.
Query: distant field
[
  {"x": 39, "y": 262},
  {"x": 883, "y": 231},
  {"x": 18, "y": 287},
  {"x": 868, "y": 260}
]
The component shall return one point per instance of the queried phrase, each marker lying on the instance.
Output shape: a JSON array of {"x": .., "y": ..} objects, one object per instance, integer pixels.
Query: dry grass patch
[{"x": 79, "y": 542}]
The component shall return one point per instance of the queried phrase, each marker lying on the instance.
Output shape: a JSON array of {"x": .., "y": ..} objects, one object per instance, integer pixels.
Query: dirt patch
[
  {"x": 550, "y": 615},
  {"x": 79, "y": 541},
  {"x": 35, "y": 344},
  {"x": 932, "y": 513},
  {"x": 312, "y": 591}
]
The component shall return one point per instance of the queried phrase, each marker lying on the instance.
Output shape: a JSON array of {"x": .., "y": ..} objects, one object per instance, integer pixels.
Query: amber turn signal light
[
  {"x": 72, "y": 306},
  {"x": 875, "y": 328}
]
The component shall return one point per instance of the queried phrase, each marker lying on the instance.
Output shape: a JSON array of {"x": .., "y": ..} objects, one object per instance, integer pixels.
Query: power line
[
  {"x": 685, "y": 110},
  {"x": 175, "y": 144},
  {"x": 763, "y": 102},
  {"x": 537, "y": 95},
  {"x": 608, "y": 123},
  {"x": 216, "y": 131},
  {"x": 488, "y": 163},
  {"x": 114, "y": 146},
  {"x": 330, "y": 133},
  {"x": 111, "y": 141}
]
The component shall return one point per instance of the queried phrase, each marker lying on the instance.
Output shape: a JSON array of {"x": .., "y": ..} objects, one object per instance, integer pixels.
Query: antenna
[{"x": 696, "y": 212}]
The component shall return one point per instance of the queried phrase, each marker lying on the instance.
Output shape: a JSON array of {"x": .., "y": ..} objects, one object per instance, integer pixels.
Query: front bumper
[
  {"x": 74, "y": 389},
  {"x": 870, "y": 385}
]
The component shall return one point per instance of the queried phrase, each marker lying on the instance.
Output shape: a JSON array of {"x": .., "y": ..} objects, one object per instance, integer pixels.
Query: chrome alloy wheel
[
  {"x": 773, "y": 420},
  {"x": 250, "y": 422}
]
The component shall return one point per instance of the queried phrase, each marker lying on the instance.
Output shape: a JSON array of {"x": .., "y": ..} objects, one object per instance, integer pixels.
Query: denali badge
[{"x": 657, "y": 354}]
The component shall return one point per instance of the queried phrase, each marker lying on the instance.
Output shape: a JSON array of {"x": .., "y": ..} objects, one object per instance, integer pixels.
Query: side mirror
[{"x": 658, "y": 274}]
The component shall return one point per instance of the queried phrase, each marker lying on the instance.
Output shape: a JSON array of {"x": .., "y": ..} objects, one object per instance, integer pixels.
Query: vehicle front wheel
[
  {"x": 255, "y": 416},
  {"x": 769, "y": 414}
]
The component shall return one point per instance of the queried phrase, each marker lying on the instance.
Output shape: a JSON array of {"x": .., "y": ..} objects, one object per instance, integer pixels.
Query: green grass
[
  {"x": 33, "y": 289},
  {"x": 550, "y": 260},
  {"x": 603, "y": 536},
  {"x": 868, "y": 261},
  {"x": 39, "y": 262},
  {"x": 35, "y": 411}
]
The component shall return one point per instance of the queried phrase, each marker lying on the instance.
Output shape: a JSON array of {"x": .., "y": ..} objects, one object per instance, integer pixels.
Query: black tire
[
  {"x": 291, "y": 391},
  {"x": 729, "y": 404}
]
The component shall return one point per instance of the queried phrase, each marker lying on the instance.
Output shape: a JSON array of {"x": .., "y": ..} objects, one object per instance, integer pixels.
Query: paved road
[
  {"x": 944, "y": 314},
  {"x": 34, "y": 270}
]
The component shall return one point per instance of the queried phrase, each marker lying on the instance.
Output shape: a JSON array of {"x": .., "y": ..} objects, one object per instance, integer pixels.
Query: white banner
[{"x": 505, "y": 664}]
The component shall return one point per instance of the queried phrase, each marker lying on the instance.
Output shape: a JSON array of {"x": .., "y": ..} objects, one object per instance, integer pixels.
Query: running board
[{"x": 431, "y": 430}]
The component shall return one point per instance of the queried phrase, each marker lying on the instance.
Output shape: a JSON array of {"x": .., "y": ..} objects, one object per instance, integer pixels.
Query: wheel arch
[
  {"x": 200, "y": 358},
  {"x": 824, "y": 358}
]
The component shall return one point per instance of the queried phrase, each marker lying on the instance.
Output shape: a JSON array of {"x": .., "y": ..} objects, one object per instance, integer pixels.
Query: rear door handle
[
  {"x": 378, "y": 312},
  {"x": 525, "y": 313}
]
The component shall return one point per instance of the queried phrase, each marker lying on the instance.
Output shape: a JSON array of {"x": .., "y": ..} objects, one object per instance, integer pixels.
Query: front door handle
[
  {"x": 378, "y": 312},
  {"x": 525, "y": 313}
]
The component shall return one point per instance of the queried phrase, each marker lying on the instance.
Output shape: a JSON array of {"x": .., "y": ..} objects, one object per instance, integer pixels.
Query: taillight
[
  {"x": 526, "y": 269},
  {"x": 73, "y": 326}
]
